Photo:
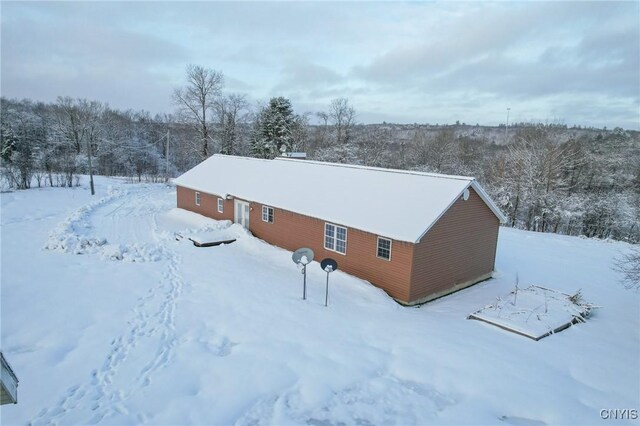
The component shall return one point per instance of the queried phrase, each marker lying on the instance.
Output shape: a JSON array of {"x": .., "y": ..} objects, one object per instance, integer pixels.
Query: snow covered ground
[{"x": 141, "y": 328}]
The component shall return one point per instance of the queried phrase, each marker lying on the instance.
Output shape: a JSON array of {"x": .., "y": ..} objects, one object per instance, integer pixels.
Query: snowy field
[{"x": 107, "y": 319}]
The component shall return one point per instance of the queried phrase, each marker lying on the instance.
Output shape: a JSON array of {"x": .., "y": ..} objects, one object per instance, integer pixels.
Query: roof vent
[{"x": 296, "y": 155}]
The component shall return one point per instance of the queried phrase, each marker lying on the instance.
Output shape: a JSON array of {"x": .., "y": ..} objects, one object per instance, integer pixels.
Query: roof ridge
[
  {"x": 380, "y": 169},
  {"x": 240, "y": 157}
]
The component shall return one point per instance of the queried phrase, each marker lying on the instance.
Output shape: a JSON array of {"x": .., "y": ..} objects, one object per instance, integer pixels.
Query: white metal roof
[
  {"x": 397, "y": 204},
  {"x": 8, "y": 383}
]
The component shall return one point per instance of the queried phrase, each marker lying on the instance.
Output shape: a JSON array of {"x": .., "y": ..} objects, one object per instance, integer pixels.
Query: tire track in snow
[
  {"x": 101, "y": 392},
  {"x": 77, "y": 233},
  {"x": 70, "y": 236}
]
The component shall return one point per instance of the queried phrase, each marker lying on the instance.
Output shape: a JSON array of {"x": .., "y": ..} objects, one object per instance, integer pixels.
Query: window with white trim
[
  {"x": 267, "y": 214},
  {"x": 197, "y": 198},
  {"x": 220, "y": 205},
  {"x": 384, "y": 248},
  {"x": 335, "y": 238}
]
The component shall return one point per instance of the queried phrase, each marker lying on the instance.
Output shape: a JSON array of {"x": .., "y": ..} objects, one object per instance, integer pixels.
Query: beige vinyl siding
[{"x": 458, "y": 250}]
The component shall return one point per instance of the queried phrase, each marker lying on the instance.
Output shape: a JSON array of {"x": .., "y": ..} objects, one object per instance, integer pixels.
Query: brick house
[{"x": 417, "y": 236}]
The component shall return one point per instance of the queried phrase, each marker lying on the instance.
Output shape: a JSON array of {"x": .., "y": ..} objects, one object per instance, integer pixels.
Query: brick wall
[
  {"x": 292, "y": 231},
  {"x": 458, "y": 250},
  {"x": 208, "y": 204}
]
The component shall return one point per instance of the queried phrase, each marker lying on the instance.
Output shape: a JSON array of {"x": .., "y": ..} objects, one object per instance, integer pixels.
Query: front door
[{"x": 241, "y": 213}]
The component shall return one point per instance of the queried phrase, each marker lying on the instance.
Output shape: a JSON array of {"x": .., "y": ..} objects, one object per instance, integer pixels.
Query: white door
[{"x": 241, "y": 213}]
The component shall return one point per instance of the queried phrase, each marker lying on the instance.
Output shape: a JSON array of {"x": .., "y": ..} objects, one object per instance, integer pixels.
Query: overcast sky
[{"x": 577, "y": 62}]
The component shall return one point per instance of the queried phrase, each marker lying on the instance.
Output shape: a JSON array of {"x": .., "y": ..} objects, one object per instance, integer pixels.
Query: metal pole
[
  {"x": 506, "y": 128},
  {"x": 304, "y": 283},
  {"x": 93, "y": 191},
  {"x": 326, "y": 294},
  {"x": 167, "y": 155}
]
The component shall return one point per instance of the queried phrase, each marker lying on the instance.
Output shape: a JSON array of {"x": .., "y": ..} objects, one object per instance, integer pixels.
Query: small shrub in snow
[
  {"x": 629, "y": 265},
  {"x": 515, "y": 292},
  {"x": 540, "y": 312}
]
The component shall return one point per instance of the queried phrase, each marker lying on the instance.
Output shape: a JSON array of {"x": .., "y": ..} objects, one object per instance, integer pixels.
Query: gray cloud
[
  {"x": 43, "y": 58},
  {"x": 300, "y": 73},
  {"x": 405, "y": 62},
  {"x": 527, "y": 54},
  {"x": 476, "y": 51}
]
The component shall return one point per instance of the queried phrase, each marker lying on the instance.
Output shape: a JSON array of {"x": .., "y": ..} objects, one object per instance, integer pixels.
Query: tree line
[
  {"x": 545, "y": 177},
  {"x": 51, "y": 143},
  {"x": 541, "y": 179}
]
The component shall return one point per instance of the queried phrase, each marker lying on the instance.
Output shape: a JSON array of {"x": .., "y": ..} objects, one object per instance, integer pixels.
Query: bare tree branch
[{"x": 203, "y": 90}]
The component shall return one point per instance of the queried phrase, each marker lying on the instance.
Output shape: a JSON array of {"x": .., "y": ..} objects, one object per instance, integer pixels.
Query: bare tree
[
  {"x": 197, "y": 98},
  {"x": 436, "y": 154},
  {"x": 629, "y": 265},
  {"x": 373, "y": 146},
  {"x": 300, "y": 132},
  {"x": 343, "y": 117},
  {"x": 78, "y": 121},
  {"x": 321, "y": 138},
  {"x": 470, "y": 155},
  {"x": 539, "y": 170},
  {"x": 69, "y": 123}
]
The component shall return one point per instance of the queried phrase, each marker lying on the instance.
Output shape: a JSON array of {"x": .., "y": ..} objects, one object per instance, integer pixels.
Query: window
[
  {"x": 220, "y": 205},
  {"x": 384, "y": 248},
  {"x": 197, "y": 198},
  {"x": 335, "y": 238},
  {"x": 267, "y": 214}
]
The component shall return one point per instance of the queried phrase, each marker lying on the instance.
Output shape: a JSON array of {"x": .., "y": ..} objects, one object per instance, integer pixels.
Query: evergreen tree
[
  {"x": 228, "y": 137},
  {"x": 278, "y": 122},
  {"x": 260, "y": 147},
  {"x": 8, "y": 141}
]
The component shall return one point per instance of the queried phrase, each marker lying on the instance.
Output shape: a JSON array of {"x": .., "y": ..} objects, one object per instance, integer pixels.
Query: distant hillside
[
  {"x": 545, "y": 178},
  {"x": 498, "y": 135}
]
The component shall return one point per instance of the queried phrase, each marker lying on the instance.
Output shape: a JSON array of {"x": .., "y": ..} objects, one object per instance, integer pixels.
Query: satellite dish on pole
[
  {"x": 328, "y": 265},
  {"x": 465, "y": 194},
  {"x": 303, "y": 256}
]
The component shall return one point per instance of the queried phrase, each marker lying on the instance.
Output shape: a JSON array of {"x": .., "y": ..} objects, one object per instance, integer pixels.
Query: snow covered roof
[{"x": 398, "y": 204}]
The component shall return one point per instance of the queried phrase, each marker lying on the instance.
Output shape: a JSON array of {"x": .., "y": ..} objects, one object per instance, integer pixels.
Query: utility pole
[
  {"x": 93, "y": 191},
  {"x": 166, "y": 155},
  {"x": 506, "y": 128}
]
